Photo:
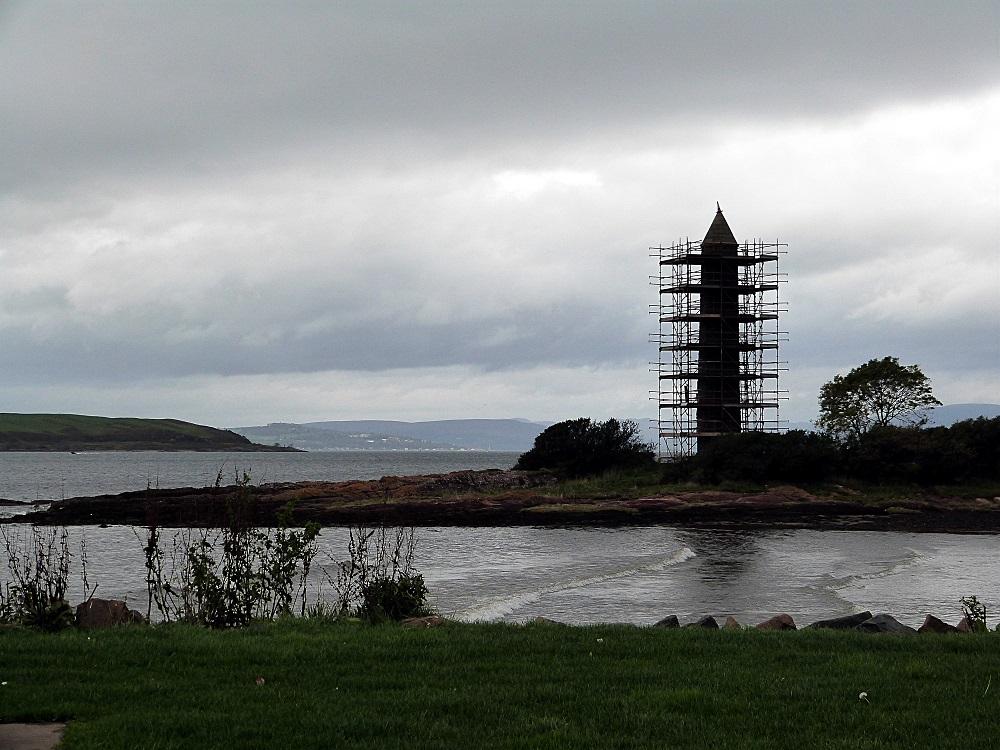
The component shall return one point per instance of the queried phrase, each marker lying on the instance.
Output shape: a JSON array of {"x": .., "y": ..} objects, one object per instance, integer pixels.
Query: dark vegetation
[
  {"x": 582, "y": 447},
  {"x": 309, "y": 684},
  {"x": 230, "y": 576},
  {"x": 966, "y": 452},
  {"x": 221, "y": 577},
  {"x": 871, "y": 422},
  {"x": 33, "y": 590},
  {"x": 75, "y": 432},
  {"x": 879, "y": 393}
]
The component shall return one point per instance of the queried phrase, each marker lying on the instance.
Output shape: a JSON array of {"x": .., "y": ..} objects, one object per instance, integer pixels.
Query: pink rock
[
  {"x": 105, "y": 613},
  {"x": 431, "y": 621},
  {"x": 778, "y": 622}
]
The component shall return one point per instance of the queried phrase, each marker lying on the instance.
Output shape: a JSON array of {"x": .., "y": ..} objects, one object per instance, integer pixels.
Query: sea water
[{"x": 574, "y": 574}]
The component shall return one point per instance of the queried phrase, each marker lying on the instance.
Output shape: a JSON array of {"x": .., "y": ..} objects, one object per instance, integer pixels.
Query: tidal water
[
  {"x": 575, "y": 575},
  {"x": 45, "y": 476}
]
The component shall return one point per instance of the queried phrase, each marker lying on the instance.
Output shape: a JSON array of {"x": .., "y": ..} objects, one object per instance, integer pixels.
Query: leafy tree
[
  {"x": 879, "y": 393},
  {"x": 580, "y": 447}
]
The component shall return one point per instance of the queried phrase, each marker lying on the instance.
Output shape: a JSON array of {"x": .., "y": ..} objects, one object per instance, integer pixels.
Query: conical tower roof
[{"x": 719, "y": 233}]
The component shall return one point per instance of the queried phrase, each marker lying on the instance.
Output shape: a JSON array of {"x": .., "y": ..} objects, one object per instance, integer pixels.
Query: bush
[
  {"x": 38, "y": 571},
  {"x": 979, "y": 441},
  {"x": 229, "y": 577},
  {"x": 377, "y": 581},
  {"x": 966, "y": 451},
  {"x": 794, "y": 456},
  {"x": 393, "y": 598},
  {"x": 581, "y": 447}
]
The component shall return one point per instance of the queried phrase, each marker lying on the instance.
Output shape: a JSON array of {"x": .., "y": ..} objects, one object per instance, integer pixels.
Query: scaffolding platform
[{"x": 718, "y": 339}]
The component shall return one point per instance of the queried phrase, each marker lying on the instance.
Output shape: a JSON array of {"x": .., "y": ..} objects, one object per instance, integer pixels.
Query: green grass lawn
[{"x": 467, "y": 686}]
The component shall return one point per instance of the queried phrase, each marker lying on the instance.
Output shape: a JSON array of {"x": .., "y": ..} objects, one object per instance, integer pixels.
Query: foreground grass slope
[
  {"x": 79, "y": 432},
  {"x": 500, "y": 686}
]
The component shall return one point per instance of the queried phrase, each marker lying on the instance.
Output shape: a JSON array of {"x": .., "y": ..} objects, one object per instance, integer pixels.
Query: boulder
[
  {"x": 732, "y": 624},
  {"x": 705, "y": 622},
  {"x": 843, "y": 623},
  {"x": 885, "y": 624},
  {"x": 934, "y": 625},
  {"x": 544, "y": 621},
  {"x": 105, "y": 613},
  {"x": 965, "y": 626},
  {"x": 430, "y": 621},
  {"x": 778, "y": 622},
  {"x": 670, "y": 621}
]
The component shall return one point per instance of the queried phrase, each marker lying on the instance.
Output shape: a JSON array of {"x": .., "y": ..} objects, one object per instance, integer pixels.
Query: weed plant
[
  {"x": 38, "y": 568},
  {"x": 377, "y": 581},
  {"x": 975, "y": 613},
  {"x": 229, "y": 577}
]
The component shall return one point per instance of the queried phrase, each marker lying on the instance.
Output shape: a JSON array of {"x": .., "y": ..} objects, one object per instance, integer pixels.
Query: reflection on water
[
  {"x": 727, "y": 554},
  {"x": 641, "y": 574}
]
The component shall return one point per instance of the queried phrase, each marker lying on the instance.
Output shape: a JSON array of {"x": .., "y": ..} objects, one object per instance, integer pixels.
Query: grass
[{"x": 501, "y": 686}]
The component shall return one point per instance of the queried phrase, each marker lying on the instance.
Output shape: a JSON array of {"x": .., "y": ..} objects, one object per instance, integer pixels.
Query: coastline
[{"x": 517, "y": 498}]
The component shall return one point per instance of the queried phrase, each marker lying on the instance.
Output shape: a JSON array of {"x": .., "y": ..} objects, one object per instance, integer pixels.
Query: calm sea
[
  {"x": 578, "y": 575},
  {"x": 53, "y": 476}
]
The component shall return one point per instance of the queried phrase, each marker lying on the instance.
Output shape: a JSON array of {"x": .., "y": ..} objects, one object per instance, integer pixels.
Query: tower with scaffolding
[{"x": 718, "y": 337}]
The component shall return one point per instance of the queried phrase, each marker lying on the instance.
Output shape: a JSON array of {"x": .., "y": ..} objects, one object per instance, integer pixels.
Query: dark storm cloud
[{"x": 131, "y": 86}]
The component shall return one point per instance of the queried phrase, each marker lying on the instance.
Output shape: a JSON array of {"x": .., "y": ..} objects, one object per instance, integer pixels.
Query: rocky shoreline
[{"x": 516, "y": 498}]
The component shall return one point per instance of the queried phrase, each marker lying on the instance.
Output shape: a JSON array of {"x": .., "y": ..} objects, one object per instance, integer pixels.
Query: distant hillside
[
  {"x": 942, "y": 416},
  {"x": 75, "y": 432},
  {"x": 945, "y": 416},
  {"x": 372, "y": 434},
  {"x": 307, "y": 438}
]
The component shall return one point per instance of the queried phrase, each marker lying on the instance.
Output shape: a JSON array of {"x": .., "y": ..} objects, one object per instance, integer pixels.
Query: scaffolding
[{"x": 717, "y": 338}]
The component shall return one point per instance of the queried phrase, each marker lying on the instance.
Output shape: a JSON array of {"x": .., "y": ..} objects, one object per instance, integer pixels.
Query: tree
[
  {"x": 879, "y": 393},
  {"x": 581, "y": 447}
]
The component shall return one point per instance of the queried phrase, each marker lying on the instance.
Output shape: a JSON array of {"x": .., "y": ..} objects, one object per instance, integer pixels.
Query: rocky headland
[{"x": 509, "y": 498}]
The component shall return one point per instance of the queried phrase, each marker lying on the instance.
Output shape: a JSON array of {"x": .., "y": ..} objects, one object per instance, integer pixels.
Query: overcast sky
[{"x": 237, "y": 213}]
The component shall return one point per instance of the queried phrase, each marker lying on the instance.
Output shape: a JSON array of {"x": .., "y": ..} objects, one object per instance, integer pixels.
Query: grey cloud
[
  {"x": 126, "y": 87},
  {"x": 232, "y": 189},
  {"x": 136, "y": 349}
]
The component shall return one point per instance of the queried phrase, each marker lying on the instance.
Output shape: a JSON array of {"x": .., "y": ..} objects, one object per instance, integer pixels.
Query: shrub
[
  {"x": 760, "y": 456},
  {"x": 397, "y": 598},
  {"x": 979, "y": 441},
  {"x": 229, "y": 577},
  {"x": 975, "y": 613},
  {"x": 581, "y": 447},
  {"x": 377, "y": 581},
  {"x": 38, "y": 568}
]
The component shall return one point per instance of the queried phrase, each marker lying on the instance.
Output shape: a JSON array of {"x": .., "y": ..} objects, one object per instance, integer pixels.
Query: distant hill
[
  {"x": 942, "y": 416},
  {"x": 945, "y": 416},
  {"x": 373, "y": 434},
  {"x": 76, "y": 432}
]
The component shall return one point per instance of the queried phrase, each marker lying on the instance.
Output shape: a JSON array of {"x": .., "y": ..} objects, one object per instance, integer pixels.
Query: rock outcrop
[
  {"x": 708, "y": 623},
  {"x": 843, "y": 623},
  {"x": 106, "y": 613},
  {"x": 670, "y": 621},
  {"x": 885, "y": 624},
  {"x": 429, "y": 621},
  {"x": 778, "y": 622},
  {"x": 934, "y": 625}
]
